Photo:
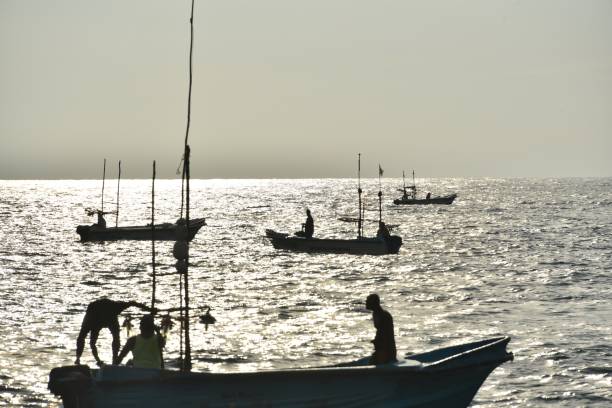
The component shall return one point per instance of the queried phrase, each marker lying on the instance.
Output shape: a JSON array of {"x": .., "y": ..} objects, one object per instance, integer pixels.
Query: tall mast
[
  {"x": 380, "y": 173},
  {"x": 103, "y": 179},
  {"x": 359, "y": 219},
  {"x": 187, "y": 362},
  {"x": 153, "y": 237},
  {"x": 118, "y": 181}
]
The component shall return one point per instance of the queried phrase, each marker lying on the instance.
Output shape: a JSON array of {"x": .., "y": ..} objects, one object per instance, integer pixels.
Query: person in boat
[
  {"x": 101, "y": 221},
  {"x": 307, "y": 227},
  {"x": 384, "y": 342},
  {"x": 147, "y": 347},
  {"x": 383, "y": 231},
  {"x": 103, "y": 313},
  {"x": 428, "y": 195}
]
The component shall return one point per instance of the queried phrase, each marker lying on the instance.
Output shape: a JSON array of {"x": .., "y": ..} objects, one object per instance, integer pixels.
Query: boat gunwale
[{"x": 391, "y": 369}]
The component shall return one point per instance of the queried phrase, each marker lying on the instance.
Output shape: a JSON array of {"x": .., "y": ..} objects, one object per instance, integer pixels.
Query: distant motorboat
[
  {"x": 163, "y": 232},
  {"x": 448, "y": 377},
  {"x": 409, "y": 196},
  {"x": 358, "y": 246}
]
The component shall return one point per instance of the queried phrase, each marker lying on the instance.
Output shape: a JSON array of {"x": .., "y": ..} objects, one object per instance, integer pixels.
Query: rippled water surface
[{"x": 526, "y": 258}]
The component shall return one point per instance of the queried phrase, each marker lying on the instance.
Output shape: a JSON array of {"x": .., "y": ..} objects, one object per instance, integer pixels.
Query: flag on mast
[{"x": 380, "y": 171}]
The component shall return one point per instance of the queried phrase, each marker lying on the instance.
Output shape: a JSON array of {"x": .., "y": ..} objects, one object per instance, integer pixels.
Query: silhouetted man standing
[
  {"x": 100, "y": 314},
  {"x": 384, "y": 342}
]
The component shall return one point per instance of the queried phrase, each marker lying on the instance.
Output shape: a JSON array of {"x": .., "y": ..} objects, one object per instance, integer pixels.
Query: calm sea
[{"x": 527, "y": 258}]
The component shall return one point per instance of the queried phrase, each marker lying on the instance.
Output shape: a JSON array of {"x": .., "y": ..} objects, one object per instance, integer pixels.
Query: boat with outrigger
[
  {"x": 409, "y": 196},
  {"x": 446, "y": 377},
  {"x": 99, "y": 231},
  {"x": 382, "y": 244}
]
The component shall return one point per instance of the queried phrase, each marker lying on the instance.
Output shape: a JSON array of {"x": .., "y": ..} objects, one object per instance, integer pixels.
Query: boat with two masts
[
  {"x": 382, "y": 244},
  {"x": 409, "y": 196},
  {"x": 163, "y": 232},
  {"x": 444, "y": 378}
]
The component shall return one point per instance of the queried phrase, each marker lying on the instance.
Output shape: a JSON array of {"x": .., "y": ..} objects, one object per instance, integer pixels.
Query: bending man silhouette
[
  {"x": 103, "y": 313},
  {"x": 384, "y": 342}
]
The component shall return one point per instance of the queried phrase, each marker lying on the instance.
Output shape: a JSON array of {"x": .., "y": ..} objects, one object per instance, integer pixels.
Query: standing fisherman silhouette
[
  {"x": 103, "y": 313},
  {"x": 384, "y": 342},
  {"x": 308, "y": 227}
]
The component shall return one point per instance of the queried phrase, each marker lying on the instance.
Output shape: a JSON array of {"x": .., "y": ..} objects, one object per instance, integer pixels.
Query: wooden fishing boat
[
  {"x": 409, "y": 196},
  {"x": 358, "y": 246},
  {"x": 407, "y": 200},
  {"x": 448, "y": 377},
  {"x": 163, "y": 232},
  {"x": 384, "y": 243}
]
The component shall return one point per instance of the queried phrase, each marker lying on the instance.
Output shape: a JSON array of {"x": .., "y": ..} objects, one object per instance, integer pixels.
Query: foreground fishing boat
[
  {"x": 447, "y": 377},
  {"x": 358, "y": 246},
  {"x": 409, "y": 196},
  {"x": 163, "y": 232}
]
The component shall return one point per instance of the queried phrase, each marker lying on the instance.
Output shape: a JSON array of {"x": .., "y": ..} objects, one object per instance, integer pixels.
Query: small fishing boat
[
  {"x": 407, "y": 200},
  {"x": 100, "y": 232},
  {"x": 448, "y": 377},
  {"x": 358, "y": 246},
  {"x": 163, "y": 232},
  {"x": 409, "y": 196},
  {"x": 384, "y": 243}
]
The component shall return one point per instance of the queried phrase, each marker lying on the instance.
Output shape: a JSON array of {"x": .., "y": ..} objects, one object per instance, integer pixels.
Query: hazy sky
[{"x": 288, "y": 88}]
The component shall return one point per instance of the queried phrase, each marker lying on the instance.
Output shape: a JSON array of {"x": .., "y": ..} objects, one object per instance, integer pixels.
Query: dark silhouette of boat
[
  {"x": 409, "y": 196},
  {"x": 358, "y": 246},
  {"x": 407, "y": 200},
  {"x": 101, "y": 232},
  {"x": 447, "y": 377},
  {"x": 384, "y": 243},
  {"x": 163, "y": 232}
]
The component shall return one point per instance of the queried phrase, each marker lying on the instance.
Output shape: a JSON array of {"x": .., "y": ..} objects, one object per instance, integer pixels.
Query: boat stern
[{"x": 71, "y": 384}]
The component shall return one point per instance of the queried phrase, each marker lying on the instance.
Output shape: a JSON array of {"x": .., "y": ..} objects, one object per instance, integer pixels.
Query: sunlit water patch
[{"x": 526, "y": 258}]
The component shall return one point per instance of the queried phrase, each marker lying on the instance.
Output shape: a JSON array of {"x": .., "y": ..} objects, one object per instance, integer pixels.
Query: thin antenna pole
[
  {"x": 118, "y": 181},
  {"x": 153, "y": 236},
  {"x": 404, "y": 179},
  {"x": 413, "y": 184},
  {"x": 103, "y": 179},
  {"x": 359, "y": 219}
]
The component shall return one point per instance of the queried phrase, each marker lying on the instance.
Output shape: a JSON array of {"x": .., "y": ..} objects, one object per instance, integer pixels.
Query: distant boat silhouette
[
  {"x": 100, "y": 232},
  {"x": 409, "y": 196},
  {"x": 383, "y": 243}
]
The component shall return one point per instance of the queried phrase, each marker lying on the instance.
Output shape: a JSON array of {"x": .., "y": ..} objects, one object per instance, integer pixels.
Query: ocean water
[{"x": 527, "y": 258}]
